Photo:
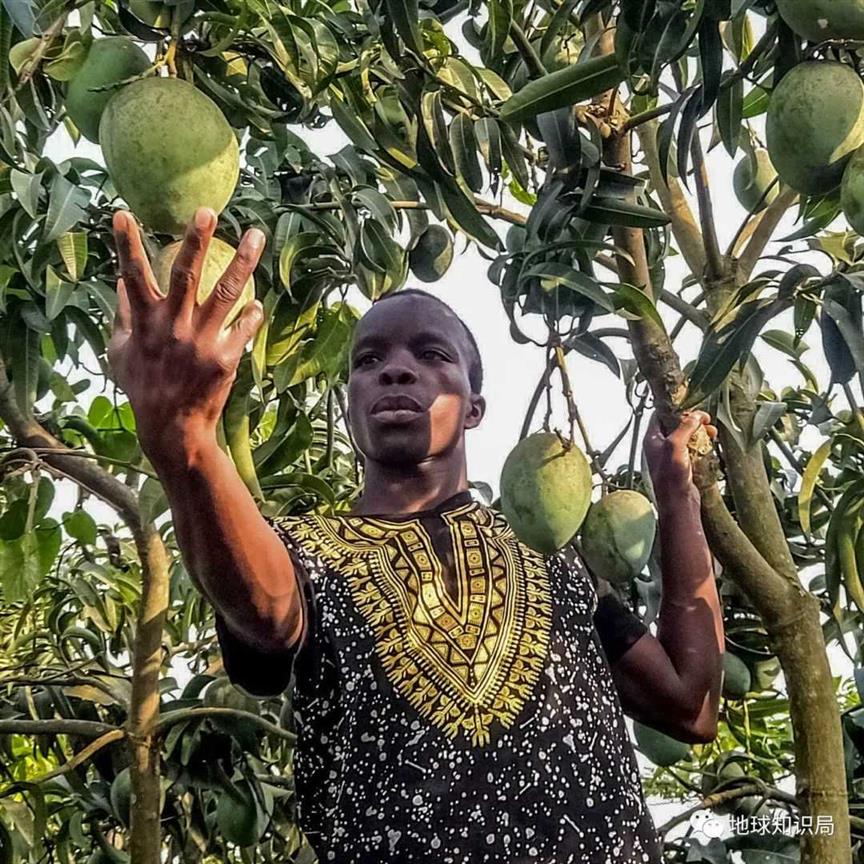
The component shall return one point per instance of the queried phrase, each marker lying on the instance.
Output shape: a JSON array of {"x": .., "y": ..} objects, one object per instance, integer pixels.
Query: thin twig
[
  {"x": 183, "y": 714},
  {"x": 56, "y": 726},
  {"x": 529, "y": 56},
  {"x": 78, "y": 759},
  {"x": 690, "y": 312},
  {"x": 713, "y": 257}
]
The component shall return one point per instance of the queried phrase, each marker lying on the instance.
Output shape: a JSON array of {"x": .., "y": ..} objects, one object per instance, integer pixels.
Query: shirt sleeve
[
  {"x": 260, "y": 673},
  {"x": 617, "y": 627}
]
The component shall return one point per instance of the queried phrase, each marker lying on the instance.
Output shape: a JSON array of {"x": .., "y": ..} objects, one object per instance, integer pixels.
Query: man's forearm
[
  {"x": 690, "y": 626},
  {"x": 230, "y": 552}
]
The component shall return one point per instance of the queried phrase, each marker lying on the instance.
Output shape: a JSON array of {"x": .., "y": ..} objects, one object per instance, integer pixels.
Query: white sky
[{"x": 512, "y": 371}]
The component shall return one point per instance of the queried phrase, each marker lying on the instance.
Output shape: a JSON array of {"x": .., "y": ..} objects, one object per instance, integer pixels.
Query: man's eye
[
  {"x": 365, "y": 360},
  {"x": 434, "y": 354}
]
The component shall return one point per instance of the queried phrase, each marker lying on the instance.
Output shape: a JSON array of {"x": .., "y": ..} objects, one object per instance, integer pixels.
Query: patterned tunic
[{"x": 453, "y": 697}]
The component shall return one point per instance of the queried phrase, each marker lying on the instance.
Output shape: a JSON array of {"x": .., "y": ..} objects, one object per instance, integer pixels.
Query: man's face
[{"x": 409, "y": 397}]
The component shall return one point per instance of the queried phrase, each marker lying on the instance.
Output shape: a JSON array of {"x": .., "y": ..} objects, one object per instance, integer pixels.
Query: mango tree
[{"x": 594, "y": 117}]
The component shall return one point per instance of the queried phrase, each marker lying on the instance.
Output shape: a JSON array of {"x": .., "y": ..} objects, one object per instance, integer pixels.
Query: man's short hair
[{"x": 475, "y": 364}]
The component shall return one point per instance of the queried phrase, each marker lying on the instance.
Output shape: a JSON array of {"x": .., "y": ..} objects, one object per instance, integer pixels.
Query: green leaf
[
  {"x": 377, "y": 204},
  {"x": 729, "y": 114},
  {"x": 466, "y": 215},
  {"x": 566, "y": 87},
  {"x": 809, "y": 479},
  {"x": 636, "y": 302},
  {"x": 436, "y": 127},
  {"x": 513, "y": 156},
  {"x": 49, "y": 538},
  {"x": 554, "y": 274},
  {"x": 19, "y": 567},
  {"x": 70, "y": 61},
  {"x": 850, "y": 327},
  {"x": 57, "y": 293},
  {"x": 489, "y": 140},
  {"x": 22, "y": 16},
  {"x": 615, "y": 211},
  {"x": 305, "y": 241},
  {"x": 66, "y": 207},
  {"x": 327, "y": 352},
  {"x": 767, "y": 414},
  {"x": 351, "y": 124},
  {"x": 27, "y": 187},
  {"x": 24, "y": 364},
  {"x": 152, "y": 500},
  {"x": 711, "y": 61},
  {"x": 723, "y": 348},
  {"x": 755, "y": 103},
  {"x": 784, "y": 341},
  {"x": 464, "y": 147},
  {"x": 81, "y": 526},
  {"x": 22, "y": 51},
  {"x": 497, "y": 29},
  {"x": 405, "y": 14},
  {"x": 73, "y": 251}
]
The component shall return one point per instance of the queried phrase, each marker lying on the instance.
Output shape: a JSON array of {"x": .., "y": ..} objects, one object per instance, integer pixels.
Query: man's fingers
[
  {"x": 187, "y": 266},
  {"x": 134, "y": 266},
  {"x": 230, "y": 285},
  {"x": 246, "y": 325},
  {"x": 689, "y": 423},
  {"x": 123, "y": 314}
]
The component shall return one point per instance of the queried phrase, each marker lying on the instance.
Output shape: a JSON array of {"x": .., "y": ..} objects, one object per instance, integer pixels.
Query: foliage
[{"x": 437, "y": 136}]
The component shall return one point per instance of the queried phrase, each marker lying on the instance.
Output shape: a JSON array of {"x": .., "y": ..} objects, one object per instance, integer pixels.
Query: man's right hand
[{"x": 174, "y": 358}]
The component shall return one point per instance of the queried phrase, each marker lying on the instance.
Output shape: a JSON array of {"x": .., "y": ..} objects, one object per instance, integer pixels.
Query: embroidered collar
[{"x": 454, "y": 502}]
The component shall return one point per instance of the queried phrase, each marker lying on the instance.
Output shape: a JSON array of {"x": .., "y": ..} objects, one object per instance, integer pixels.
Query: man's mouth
[{"x": 396, "y": 406}]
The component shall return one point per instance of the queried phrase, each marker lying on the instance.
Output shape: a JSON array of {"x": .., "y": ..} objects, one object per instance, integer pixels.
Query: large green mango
[
  {"x": 815, "y": 123},
  {"x": 736, "y": 676},
  {"x": 169, "y": 151},
  {"x": 545, "y": 491},
  {"x": 752, "y": 177},
  {"x": 617, "y": 536},
  {"x": 659, "y": 747},
  {"x": 219, "y": 255},
  {"x": 852, "y": 191},
  {"x": 432, "y": 255},
  {"x": 109, "y": 60},
  {"x": 819, "y": 20}
]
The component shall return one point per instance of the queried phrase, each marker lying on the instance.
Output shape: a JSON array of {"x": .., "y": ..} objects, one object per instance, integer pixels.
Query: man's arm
[
  {"x": 232, "y": 555},
  {"x": 176, "y": 361},
  {"x": 673, "y": 681}
]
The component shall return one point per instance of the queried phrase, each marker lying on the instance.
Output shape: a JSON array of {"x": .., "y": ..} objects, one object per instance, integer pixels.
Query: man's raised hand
[{"x": 172, "y": 356}]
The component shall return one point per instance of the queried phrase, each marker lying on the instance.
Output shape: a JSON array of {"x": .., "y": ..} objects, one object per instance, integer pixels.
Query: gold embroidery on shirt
[{"x": 462, "y": 661}]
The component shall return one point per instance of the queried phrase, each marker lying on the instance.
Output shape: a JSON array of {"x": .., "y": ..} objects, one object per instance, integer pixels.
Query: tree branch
[
  {"x": 529, "y": 56},
  {"x": 713, "y": 258},
  {"x": 768, "y": 220},
  {"x": 682, "y": 307},
  {"x": 674, "y": 203},
  {"x": 78, "y": 759},
  {"x": 183, "y": 714},
  {"x": 82, "y": 728}
]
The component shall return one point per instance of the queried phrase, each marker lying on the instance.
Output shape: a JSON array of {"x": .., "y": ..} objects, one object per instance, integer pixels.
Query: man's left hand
[{"x": 668, "y": 456}]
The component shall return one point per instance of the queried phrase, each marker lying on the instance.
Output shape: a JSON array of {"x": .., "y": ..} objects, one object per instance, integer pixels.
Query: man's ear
[{"x": 476, "y": 411}]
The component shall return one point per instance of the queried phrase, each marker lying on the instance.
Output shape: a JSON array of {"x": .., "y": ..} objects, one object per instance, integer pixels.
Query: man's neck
[{"x": 408, "y": 489}]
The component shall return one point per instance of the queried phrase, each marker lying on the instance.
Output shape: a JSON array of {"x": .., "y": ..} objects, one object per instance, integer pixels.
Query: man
[{"x": 453, "y": 690}]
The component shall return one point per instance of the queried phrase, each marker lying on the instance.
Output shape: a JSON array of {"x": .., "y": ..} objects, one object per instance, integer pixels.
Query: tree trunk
[
  {"x": 145, "y": 834},
  {"x": 758, "y": 558}
]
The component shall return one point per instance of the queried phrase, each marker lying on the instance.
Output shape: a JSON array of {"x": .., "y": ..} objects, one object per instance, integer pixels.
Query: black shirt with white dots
[{"x": 453, "y": 697}]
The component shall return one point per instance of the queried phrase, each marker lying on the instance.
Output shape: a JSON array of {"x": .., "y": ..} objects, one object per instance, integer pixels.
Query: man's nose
[{"x": 397, "y": 373}]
